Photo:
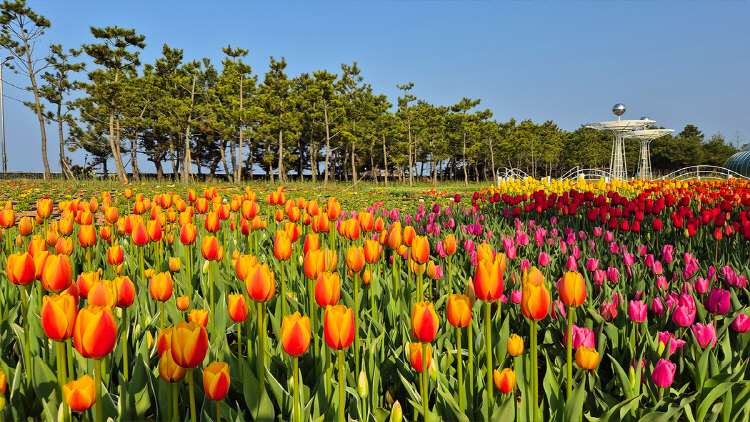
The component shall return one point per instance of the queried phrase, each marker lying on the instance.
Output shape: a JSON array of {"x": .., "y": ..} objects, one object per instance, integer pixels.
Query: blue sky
[{"x": 676, "y": 62}]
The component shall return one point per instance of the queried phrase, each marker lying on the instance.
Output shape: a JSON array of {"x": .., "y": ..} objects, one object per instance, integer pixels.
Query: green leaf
[
  {"x": 618, "y": 412},
  {"x": 623, "y": 378},
  {"x": 710, "y": 398},
  {"x": 574, "y": 406}
]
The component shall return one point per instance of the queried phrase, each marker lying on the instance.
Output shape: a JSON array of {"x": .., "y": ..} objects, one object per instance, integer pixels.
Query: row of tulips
[{"x": 540, "y": 290}]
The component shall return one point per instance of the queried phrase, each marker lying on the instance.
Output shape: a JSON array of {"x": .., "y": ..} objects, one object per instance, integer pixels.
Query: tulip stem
[
  {"x": 212, "y": 280},
  {"x": 69, "y": 347},
  {"x": 314, "y": 312},
  {"x": 283, "y": 291},
  {"x": 261, "y": 347},
  {"x": 190, "y": 270},
  {"x": 140, "y": 265},
  {"x": 372, "y": 293},
  {"x": 295, "y": 386},
  {"x": 218, "y": 411},
  {"x": 356, "y": 322},
  {"x": 470, "y": 364},
  {"x": 161, "y": 312},
  {"x": 27, "y": 341},
  {"x": 534, "y": 377},
  {"x": 170, "y": 414},
  {"x": 488, "y": 352},
  {"x": 569, "y": 385},
  {"x": 459, "y": 358},
  {"x": 175, "y": 401},
  {"x": 342, "y": 388},
  {"x": 239, "y": 347},
  {"x": 450, "y": 273},
  {"x": 98, "y": 389},
  {"x": 62, "y": 376},
  {"x": 329, "y": 374},
  {"x": 425, "y": 383},
  {"x": 191, "y": 384}
]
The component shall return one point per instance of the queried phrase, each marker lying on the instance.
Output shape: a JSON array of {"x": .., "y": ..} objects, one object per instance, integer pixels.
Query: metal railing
[{"x": 702, "y": 172}]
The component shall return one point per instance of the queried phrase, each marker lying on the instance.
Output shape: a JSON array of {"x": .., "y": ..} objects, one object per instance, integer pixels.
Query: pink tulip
[
  {"x": 663, "y": 374},
  {"x": 665, "y": 336},
  {"x": 613, "y": 275},
  {"x": 511, "y": 252},
  {"x": 598, "y": 231},
  {"x": 637, "y": 311},
  {"x": 609, "y": 236},
  {"x": 629, "y": 258},
  {"x": 576, "y": 252},
  {"x": 661, "y": 282},
  {"x": 656, "y": 268},
  {"x": 543, "y": 259},
  {"x": 599, "y": 277},
  {"x": 571, "y": 265},
  {"x": 608, "y": 311},
  {"x": 582, "y": 336},
  {"x": 591, "y": 264},
  {"x": 560, "y": 308},
  {"x": 705, "y": 334},
  {"x": 516, "y": 296},
  {"x": 525, "y": 265},
  {"x": 718, "y": 302},
  {"x": 614, "y": 247},
  {"x": 657, "y": 306},
  {"x": 649, "y": 261},
  {"x": 684, "y": 312},
  {"x": 741, "y": 323},
  {"x": 642, "y": 250},
  {"x": 701, "y": 285}
]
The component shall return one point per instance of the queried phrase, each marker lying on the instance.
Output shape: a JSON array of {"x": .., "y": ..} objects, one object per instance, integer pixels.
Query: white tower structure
[
  {"x": 618, "y": 166},
  {"x": 644, "y": 137}
]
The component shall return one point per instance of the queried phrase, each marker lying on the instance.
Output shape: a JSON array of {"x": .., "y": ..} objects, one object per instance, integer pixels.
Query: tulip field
[{"x": 528, "y": 301}]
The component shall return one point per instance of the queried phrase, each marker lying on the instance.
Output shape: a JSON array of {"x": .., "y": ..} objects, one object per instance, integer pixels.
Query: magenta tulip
[
  {"x": 705, "y": 334},
  {"x": 741, "y": 323},
  {"x": 718, "y": 302},
  {"x": 663, "y": 374},
  {"x": 592, "y": 264},
  {"x": 664, "y": 338},
  {"x": 684, "y": 313},
  {"x": 637, "y": 311},
  {"x": 582, "y": 336}
]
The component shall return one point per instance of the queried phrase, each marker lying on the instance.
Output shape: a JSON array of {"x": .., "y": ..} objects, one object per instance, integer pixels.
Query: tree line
[{"x": 183, "y": 114}]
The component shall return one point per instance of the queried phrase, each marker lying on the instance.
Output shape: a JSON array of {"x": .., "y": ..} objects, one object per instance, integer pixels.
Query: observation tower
[
  {"x": 618, "y": 128},
  {"x": 644, "y": 137}
]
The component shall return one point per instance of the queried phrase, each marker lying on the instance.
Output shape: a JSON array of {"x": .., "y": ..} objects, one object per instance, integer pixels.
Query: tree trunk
[
  {"x": 222, "y": 152},
  {"x": 134, "y": 158},
  {"x": 118, "y": 160},
  {"x": 63, "y": 161},
  {"x": 466, "y": 174},
  {"x": 280, "y": 166},
  {"x": 270, "y": 163},
  {"x": 411, "y": 179},
  {"x": 492, "y": 160},
  {"x": 354, "y": 165},
  {"x": 328, "y": 144},
  {"x": 238, "y": 171},
  {"x": 385, "y": 161},
  {"x": 373, "y": 176},
  {"x": 39, "y": 115},
  {"x": 313, "y": 163},
  {"x": 186, "y": 166},
  {"x": 159, "y": 169}
]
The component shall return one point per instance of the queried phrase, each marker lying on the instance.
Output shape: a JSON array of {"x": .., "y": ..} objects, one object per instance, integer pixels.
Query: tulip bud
[
  {"x": 397, "y": 414},
  {"x": 362, "y": 387}
]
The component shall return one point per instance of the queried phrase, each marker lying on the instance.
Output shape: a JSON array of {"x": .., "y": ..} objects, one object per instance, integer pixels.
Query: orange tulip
[
  {"x": 351, "y": 229},
  {"x": 355, "y": 259},
  {"x": 314, "y": 263},
  {"x": 103, "y": 293},
  {"x": 52, "y": 238},
  {"x": 244, "y": 265},
  {"x": 216, "y": 380},
  {"x": 459, "y": 310},
  {"x": 212, "y": 222},
  {"x": 44, "y": 208},
  {"x": 174, "y": 264},
  {"x": 295, "y": 334},
  {"x": 237, "y": 308},
  {"x": 210, "y": 248},
  {"x": 26, "y": 226},
  {"x": 154, "y": 230},
  {"x": 333, "y": 209},
  {"x": 112, "y": 215},
  {"x": 515, "y": 345},
  {"x": 80, "y": 394},
  {"x": 415, "y": 356},
  {"x": 139, "y": 235},
  {"x": 21, "y": 269},
  {"x": 488, "y": 281},
  {"x": 168, "y": 370},
  {"x": 409, "y": 235},
  {"x": 379, "y": 225},
  {"x": 87, "y": 236},
  {"x": 372, "y": 251},
  {"x": 188, "y": 234},
  {"x": 161, "y": 286},
  {"x": 260, "y": 283},
  {"x": 125, "y": 291},
  {"x": 7, "y": 218},
  {"x": 105, "y": 232},
  {"x": 420, "y": 249},
  {"x": 95, "y": 332},
  {"x": 164, "y": 341},
  {"x": 366, "y": 221},
  {"x": 199, "y": 315},
  {"x": 535, "y": 300},
  {"x": 338, "y": 326},
  {"x": 38, "y": 244},
  {"x": 64, "y": 246},
  {"x": 424, "y": 322},
  {"x": 587, "y": 358},
  {"x": 189, "y": 344},
  {"x": 57, "y": 274},
  {"x": 366, "y": 277},
  {"x": 312, "y": 242},
  {"x": 115, "y": 255},
  {"x": 572, "y": 289},
  {"x": 86, "y": 281},
  {"x": 59, "y": 316},
  {"x": 395, "y": 237},
  {"x": 505, "y": 381},
  {"x": 65, "y": 226},
  {"x": 321, "y": 224},
  {"x": 249, "y": 209},
  {"x": 383, "y": 237},
  {"x": 183, "y": 302},
  {"x": 327, "y": 289},
  {"x": 331, "y": 260},
  {"x": 39, "y": 260},
  {"x": 449, "y": 244},
  {"x": 282, "y": 246},
  {"x": 485, "y": 252}
]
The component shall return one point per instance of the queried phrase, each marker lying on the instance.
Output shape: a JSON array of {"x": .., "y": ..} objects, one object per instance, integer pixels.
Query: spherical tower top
[
  {"x": 618, "y": 109},
  {"x": 645, "y": 118}
]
